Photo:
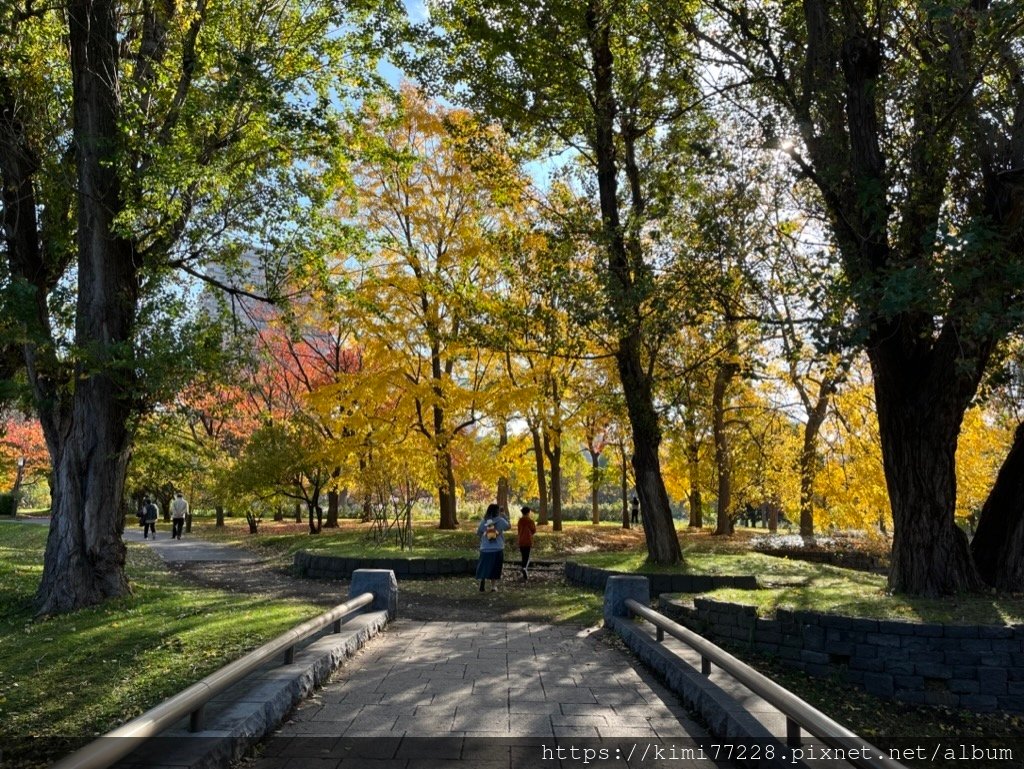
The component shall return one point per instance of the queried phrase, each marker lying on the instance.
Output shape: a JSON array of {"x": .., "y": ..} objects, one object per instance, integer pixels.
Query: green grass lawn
[{"x": 66, "y": 679}]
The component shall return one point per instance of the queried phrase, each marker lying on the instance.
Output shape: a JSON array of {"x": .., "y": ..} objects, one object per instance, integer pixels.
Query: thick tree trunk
[
  {"x": 919, "y": 423},
  {"x": 542, "y": 481},
  {"x": 85, "y": 555},
  {"x": 84, "y": 560},
  {"x": 998, "y": 545},
  {"x": 553, "y": 452},
  {"x": 446, "y": 493}
]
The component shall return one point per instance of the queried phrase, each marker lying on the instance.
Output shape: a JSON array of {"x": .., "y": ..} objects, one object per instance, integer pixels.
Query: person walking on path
[
  {"x": 149, "y": 515},
  {"x": 492, "y": 546},
  {"x": 635, "y": 509},
  {"x": 525, "y": 530},
  {"x": 179, "y": 509}
]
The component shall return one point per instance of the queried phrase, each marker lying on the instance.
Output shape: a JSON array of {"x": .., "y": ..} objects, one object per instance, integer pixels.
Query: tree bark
[
  {"x": 503, "y": 480},
  {"x": 85, "y": 556},
  {"x": 595, "y": 487},
  {"x": 624, "y": 483},
  {"x": 998, "y": 545},
  {"x": 542, "y": 482},
  {"x": 446, "y": 493},
  {"x": 693, "y": 470},
  {"x": 553, "y": 452},
  {"x": 624, "y": 297},
  {"x": 332, "y": 510},
  {"x": 919, "y": 421},
  {"x": 723, "y": 452}
]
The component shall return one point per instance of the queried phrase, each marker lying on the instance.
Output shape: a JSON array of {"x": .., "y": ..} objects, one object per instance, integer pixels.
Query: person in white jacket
[{"x": 179, "y": 509}]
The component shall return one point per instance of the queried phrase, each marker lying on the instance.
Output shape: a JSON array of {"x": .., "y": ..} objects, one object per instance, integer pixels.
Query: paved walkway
[
  {"x": 518, "y": 686},
  {"x": 188, "y": 548}
]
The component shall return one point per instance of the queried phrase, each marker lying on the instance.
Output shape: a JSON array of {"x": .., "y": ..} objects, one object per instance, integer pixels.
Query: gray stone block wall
[
  {"x": 978, "y": 668},
  {"x": 340, "y": 567},
  {"x": 596, "y": 579}
]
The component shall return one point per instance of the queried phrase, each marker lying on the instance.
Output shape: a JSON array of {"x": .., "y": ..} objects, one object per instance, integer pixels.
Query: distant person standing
[
  {"x": 492, "y": 546},
  {"x": 525, "y": 530},
  {"x": 634, "y": 509},
  {"x": 179, "y": 510},
  {"x": 149, "y": 516}
]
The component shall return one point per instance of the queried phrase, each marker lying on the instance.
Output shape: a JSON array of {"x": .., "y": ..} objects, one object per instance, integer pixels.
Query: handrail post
[
  {"x": 792, "y": 733},
  {"x": 660, "y": 635},
  {"x": 196, "y": 719},
  {"x": 383, "y": 585},
  {"x": 289, "y": 655},
  {"x": 619, "y": 589},
  {"x": 337, "y": 626},
  {"x": 705, "y": 665}
]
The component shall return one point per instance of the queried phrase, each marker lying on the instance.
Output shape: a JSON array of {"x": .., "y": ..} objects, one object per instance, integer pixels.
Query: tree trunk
[
  {"x": 809, "y": 460},
  {"x": 85, "y": 556},
  {"x": 298, "y": 512},
  {"x": 542, "y": 482},
  {"x": 16, "y": 489},
  {"x": 919, "y": 421},
  {"x": 595, "y": 487},
  {"x": 332, "y": 501},
  {"x": 315, "y": 515},
  {"x": 693, "y": 469},
  {"x": 998, "y": 545},
  {"x": 553, "y": 452},
  {"x": 446, "y": 493},
  {"x": 723, "y": 452},
  {"x": 624, "y": 481},
  {"x": 625, "y": 299},
  {"x": 332, "y": 510},
  {"x": 503, "y": 480}
]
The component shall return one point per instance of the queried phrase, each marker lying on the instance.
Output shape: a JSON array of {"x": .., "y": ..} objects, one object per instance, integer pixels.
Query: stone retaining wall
[
  {"x": 338, "y": 567},
  {"x": 593, "y": 577},
  {"x": 979, "y": 668}
]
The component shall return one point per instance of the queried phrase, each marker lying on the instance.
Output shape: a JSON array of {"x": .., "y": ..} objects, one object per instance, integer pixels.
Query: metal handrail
[
  {"x": 106, "y": 750},
  {"x": 799, "y": 714}
]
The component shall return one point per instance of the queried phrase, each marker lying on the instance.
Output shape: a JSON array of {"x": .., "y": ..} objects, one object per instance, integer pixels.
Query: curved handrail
[
  {"x": 796, "y": 710},
  {"x": 105, "y": 750}
]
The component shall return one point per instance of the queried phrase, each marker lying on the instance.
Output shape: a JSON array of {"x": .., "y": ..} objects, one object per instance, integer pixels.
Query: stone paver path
[{"x": 460, "y": 680}]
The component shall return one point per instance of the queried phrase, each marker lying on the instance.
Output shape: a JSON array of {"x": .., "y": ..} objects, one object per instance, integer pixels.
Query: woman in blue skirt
[{"x": 492, "y": 546}]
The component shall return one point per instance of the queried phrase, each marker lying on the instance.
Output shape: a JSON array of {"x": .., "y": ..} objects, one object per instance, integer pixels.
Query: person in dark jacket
[{"x": 149, "y": 515}]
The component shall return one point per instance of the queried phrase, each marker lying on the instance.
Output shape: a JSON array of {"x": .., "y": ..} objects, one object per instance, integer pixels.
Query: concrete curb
[{"x": 250, "y": 710}]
